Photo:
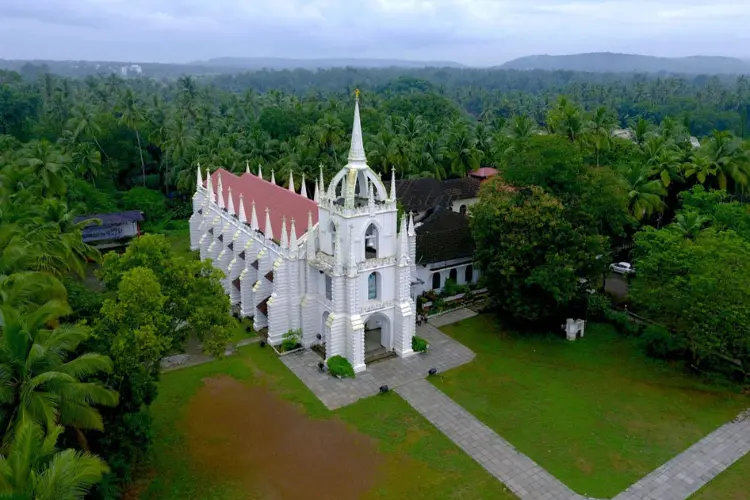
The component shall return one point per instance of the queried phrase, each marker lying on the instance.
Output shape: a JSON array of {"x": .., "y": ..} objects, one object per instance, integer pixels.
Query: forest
[{"x": 593, "y": 168}]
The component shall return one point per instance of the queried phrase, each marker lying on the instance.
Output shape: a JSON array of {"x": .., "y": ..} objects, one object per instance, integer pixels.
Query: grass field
[
  {"x": 595, "y": 413},
  {"x": 732, "y": 484},
  {"x": 415, "y": 460}
]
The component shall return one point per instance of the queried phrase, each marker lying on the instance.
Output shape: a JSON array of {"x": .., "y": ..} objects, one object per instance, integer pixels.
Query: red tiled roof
[
  {"x": 484, "y": 172},
  {"x": 280, "y": 201}
]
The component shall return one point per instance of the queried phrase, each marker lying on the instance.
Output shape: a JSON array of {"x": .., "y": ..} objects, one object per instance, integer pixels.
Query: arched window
[
  {"x": 469, "y": 274},
  {"x": 371, "y": 242},
  {"x": 453, "y": 276},
  {"x": 329, "y": 288},
  {"x": 463, "y": 209},
  {"x": 436, "y": 281},
  {"x": 372, "y": 286},
  {"x": 332, "y": 230}
]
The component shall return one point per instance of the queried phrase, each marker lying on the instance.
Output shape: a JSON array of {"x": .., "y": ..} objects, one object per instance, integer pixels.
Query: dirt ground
[{"x": 248, "y": 435}]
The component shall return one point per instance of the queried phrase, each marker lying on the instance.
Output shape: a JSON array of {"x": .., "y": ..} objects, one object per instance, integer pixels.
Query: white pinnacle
[
  {"x": 310, "y": 239},
  {"x": 293, "y": 238},
  {"x": 209, "y": 186},
  {"x": 199, "y": 179},
  {"x": 260, "y": 171},
  {"x": 273, "y": 176},
  {"x": 393, "y": 184},
  {"x": 291, "y": 182},
  {"x": 220, "y": 190},
  {"x": 230, "y": 205},
  {"x": 303, "y": 189},
  {"x": 284, "y": 234},
  {"x": 316, "y": 193},
  {"x": 322, "y": 183},
  {"x": 247, "y": 167},
  {"x": 254, "y": 218},
  {"x": 411, "y": 224},
  {"x": 241, "y": 214},
  {"x": 269, "y": 227}
]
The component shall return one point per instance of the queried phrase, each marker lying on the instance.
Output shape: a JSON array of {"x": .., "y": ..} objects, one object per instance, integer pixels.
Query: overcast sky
[{"x": 475, "y": 32}]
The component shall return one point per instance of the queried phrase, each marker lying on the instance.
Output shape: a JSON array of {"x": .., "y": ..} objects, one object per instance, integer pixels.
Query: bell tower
[{"x": 368, "y": 261}]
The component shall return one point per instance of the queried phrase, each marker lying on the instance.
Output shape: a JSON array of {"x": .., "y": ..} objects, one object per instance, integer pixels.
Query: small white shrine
[{"x": 335, "y": 267}]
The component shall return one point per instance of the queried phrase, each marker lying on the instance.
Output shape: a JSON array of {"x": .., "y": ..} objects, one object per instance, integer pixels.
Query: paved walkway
[
  {"x": 451, "y": 317},
  {"x": 517, "y": 471},
  {"x": 444, "y": 354},
  {"x": 178, "y": 361},
  {"x": 689, "y": 471}
]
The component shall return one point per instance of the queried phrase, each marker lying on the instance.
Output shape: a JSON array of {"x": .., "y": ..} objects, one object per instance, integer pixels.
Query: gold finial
[{"x": 356, "y": 93}]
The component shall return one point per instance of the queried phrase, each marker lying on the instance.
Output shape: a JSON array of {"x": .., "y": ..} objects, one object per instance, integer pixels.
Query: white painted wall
[{"x": 425, "y": 274}]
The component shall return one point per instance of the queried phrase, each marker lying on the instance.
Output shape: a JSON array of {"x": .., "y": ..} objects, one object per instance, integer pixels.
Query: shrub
[
  {"x": 418, "y": 344},
  {"x": 291, "y": 340},
  {"x": 599, "y": 304},
  {"x": 339, "y": 366},
  {"x": 623, "y": 322},
  {"x": 658, "y": 342},
  {"x": 452, "y": 288},
  {"x": 152, "y": 203}
]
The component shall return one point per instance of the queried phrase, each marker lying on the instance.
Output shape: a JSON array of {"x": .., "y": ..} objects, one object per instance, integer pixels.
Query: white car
[{"x": 622, "y": 268}]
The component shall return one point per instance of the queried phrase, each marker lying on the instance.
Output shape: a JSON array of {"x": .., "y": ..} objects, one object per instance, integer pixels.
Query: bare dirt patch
[{"x": 266, "y": 445}]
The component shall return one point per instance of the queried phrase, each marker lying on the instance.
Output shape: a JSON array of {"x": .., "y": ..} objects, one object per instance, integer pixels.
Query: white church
[{"x": 337, "y": 267}]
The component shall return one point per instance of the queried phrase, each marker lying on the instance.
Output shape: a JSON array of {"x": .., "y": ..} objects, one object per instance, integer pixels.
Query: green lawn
[
  {"x": 418, "y": 461},
  {"x": 596, "y": 413},
  {"x": 180, "y": 241},
  {"x": 732, "y": 484}
]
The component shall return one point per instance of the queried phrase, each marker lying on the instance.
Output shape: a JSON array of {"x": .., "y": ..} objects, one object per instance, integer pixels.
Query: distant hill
[
  {"x": 607, "y": 62},
  {"x": 255, "y": 63}
]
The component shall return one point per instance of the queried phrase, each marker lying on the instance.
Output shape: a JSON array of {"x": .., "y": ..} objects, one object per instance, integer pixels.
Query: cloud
[{"x": 472, "y": 31}]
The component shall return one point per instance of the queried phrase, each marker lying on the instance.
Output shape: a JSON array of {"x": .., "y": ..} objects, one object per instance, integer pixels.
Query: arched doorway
[
  {"x": 469, "y": 275},
  {"x": 377, "y": 336}
]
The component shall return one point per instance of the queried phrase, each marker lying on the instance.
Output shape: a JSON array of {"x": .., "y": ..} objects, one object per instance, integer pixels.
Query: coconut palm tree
[
  {"x": 689, "y": 223},
  {"x": 41, "y": 376},
  {"x": 32, "y": 469},
  {"x": 47, "y": 166},
  {"x": 461, "y": 152},
  {"x": 726, "y": 156},
  {"x": 644, "y": 195},
  {"x": 132, "y": 116},
  {"x": 600, "y": 127}
]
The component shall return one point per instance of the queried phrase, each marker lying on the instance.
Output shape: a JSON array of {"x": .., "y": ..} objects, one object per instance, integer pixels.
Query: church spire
[
  {"x": 291, "y": 181},
  {"x": 293, "y": 239},
  {"x": 273, "y": 176},
  {"x": 322, "y": 183},
  {"x": 393, "y": 184},
  {"x": 411, "y": 224},
  {"x": 199, "y": 179},
  {"x": 269, "y": 227},
  {"x": 310, "y": 239},
  {"x": 230, "y": 204},
  {"x": 316, "y": 194},
  {"x": 303, "y": 188},
  {"x": 284, "y": 234},
  {"x": 254, "y": 218},
  {"x": 220, "y": 190},
  {"x": 357, "y": 148},
  {"x": 241, "y": 214}
]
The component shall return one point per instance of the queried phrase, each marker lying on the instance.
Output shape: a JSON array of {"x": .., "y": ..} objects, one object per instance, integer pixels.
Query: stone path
[
  {"x": 692, "y": 469},
  {"x": 444, "y": 354},
  {"x": 517, "y": 471},
  {"x": 451, "y": 317}
]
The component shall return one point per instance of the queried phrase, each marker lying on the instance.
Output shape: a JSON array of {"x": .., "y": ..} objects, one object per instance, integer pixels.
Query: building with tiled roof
[
  {"x": 420, "y": 196},
  {"x": 444, "y": 250},
  {"x": 335, "y": 268}
]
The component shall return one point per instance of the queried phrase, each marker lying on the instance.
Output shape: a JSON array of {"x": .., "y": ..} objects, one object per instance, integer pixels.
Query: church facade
[{"x": 337, "y": 268}]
